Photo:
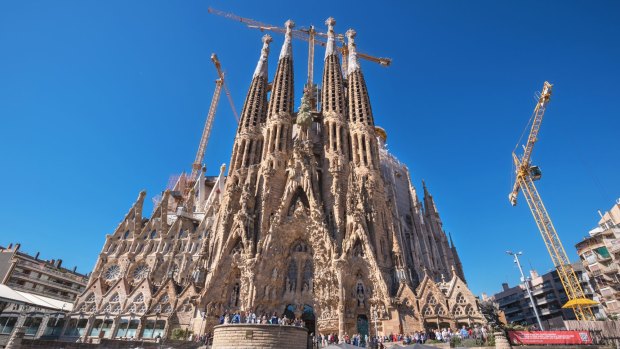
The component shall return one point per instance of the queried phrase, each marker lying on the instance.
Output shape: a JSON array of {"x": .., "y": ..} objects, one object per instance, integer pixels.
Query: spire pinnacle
[
  {"x": 353, "y": 63},
  {"x": 286, "y": 47},
  {"x": 329, "y": 48},
  {"x": 261, "y": 66}
]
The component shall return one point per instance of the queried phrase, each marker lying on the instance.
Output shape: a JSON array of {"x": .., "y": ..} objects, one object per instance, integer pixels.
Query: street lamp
[{"x": 527, "y": 286}]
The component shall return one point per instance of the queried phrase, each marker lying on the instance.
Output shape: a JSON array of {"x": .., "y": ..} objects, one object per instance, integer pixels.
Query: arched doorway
[
  {"x": 307, "y": 316},
  {"x": 309, "y": 319},
  {"x": 362, "y": 326}
]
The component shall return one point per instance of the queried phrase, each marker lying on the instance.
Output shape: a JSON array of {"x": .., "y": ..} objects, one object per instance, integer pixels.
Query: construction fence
[{"x": 602, "y": 332}]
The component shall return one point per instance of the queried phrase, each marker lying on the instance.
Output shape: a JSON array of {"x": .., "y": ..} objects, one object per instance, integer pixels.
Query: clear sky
[{"x": 101, "y": 99}]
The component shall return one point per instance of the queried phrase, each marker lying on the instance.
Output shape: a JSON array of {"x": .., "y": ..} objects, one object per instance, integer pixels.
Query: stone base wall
[
  {"x": 105, "y": 344},
  {"x": 258, "y": 336}
]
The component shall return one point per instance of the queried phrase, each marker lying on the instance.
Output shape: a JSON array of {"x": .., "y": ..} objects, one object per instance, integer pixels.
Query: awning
[
  {"x": 579, "y": 302},
  {"x": 11, "y": 295}
]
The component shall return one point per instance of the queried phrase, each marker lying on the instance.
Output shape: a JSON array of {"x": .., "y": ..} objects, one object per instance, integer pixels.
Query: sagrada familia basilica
[{"x": 315, "y": 219}]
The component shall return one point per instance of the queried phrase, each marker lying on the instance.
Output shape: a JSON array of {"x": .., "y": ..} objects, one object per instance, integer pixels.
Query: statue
[{"x": 304, "y": 115}]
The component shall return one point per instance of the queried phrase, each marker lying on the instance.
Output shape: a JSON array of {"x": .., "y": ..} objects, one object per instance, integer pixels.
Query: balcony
[
  {"x": 45, "y": 268},
  {"x": 75, "y": 289},
  {"x": 611, "y": 269}
]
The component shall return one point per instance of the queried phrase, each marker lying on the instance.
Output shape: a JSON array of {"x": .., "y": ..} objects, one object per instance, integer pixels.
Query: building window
[
  {"x": 32, "y": 325},
  {"x": 7, "y": 324}
]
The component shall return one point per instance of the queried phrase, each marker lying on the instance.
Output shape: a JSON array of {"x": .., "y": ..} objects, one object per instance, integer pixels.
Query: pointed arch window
[{"x": 427, "y": 311}]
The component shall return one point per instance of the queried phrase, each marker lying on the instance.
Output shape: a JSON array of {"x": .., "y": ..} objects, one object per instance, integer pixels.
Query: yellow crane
[
  {"x": 206, "y": 132},
  {"x": 526, "y": 174},
  {"x": 309, "y": 35}
]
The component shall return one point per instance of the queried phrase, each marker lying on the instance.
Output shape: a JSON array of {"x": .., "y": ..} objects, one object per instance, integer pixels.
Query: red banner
[{"x": 550, "y": 337}]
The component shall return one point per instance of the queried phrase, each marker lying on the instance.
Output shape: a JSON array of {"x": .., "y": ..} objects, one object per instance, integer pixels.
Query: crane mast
[
  {"x": 525, "y": 177},
  {"x": 206, "y": 131}
]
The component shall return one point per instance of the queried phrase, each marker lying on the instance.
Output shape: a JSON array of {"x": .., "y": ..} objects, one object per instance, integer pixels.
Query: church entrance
[
  {"x": 309, "y": 319},
  {"x": 307, "y": 316},
  {"x": 362, "y": 326}
]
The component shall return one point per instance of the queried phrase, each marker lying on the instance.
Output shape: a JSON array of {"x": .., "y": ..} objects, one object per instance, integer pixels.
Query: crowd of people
[
  {"x": 251, "y": 317},
  {"x": 479, "y": 333}
]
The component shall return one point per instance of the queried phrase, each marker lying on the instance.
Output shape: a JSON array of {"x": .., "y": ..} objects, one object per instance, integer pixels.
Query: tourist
[
  {"x": 464, "y": 333},
  {"x": 274, "y": 318}
]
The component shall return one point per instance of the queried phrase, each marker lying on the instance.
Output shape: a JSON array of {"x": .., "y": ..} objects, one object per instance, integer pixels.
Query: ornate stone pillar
[{"x": 341, "y": 299}]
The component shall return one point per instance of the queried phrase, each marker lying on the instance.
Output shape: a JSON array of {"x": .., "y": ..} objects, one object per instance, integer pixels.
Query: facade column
[
  {"x": 44, "y": 321},
  {"x": 141, "y": 321},
  {"x": 89, "y": 326},
  {"x": 341, "y": 301},
  {"x": 64, "y": 325}
]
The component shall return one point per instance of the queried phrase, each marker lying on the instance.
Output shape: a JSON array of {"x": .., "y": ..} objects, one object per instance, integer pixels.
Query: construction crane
[
  {"x": 206, "y": 132},
  {"x": 308, "y": 35},
  {"x": 526, "y": 174}
]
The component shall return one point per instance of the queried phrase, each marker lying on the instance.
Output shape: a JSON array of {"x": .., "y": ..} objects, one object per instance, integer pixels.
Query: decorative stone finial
[
  {"x": 331, "y": 41},
  {"x": 287, "y": 47},
  {"x": 261, "y": 66},
  {"x": 353, "y": 63}
]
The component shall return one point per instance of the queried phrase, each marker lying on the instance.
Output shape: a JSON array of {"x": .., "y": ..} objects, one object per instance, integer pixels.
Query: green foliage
[
  {"x": 180, "y": 333},
  {"x": 491, "y": 340},
  {"x": 515, "y": 327},
  {"x": 455, "y": 342}
]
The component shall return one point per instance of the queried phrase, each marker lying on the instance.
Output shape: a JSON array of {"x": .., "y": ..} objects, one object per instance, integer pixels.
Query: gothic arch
[{"x": 299, "y": 197}]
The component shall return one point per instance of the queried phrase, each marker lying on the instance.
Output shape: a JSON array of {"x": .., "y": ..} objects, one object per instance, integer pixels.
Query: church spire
[
  {"x": 331, "y": 40},
  {"x": 261, "y": 66},
  {"x": 359, "y": 101},
  {"x": 353, "y": 63},
  {"x": 248, "y": 143},
  {"x": 288, "y": 36},
  {"x": 281, "y": 101},
  {"x": 333, "y": 98},
  {"x": 363, "y": 137},
  {"x": 255, "y": 106}
]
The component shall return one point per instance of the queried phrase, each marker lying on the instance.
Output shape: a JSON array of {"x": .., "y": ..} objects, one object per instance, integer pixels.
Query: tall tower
[
  {"x": 278, "y": 131},
  {"x": 335, "y": 136},
  {"x": 248, "y": 142},
  {"x": 367, "y": 184}
]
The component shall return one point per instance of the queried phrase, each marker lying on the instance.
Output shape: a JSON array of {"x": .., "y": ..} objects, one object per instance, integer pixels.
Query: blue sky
[{"x": 99, "y": 100}]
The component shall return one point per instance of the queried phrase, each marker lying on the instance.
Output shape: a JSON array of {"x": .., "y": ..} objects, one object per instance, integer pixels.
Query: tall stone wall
[{"x": 242, "y": 336}]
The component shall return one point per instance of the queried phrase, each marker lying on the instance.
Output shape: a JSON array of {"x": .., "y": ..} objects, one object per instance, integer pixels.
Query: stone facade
[{"x": 314, "y": 219}]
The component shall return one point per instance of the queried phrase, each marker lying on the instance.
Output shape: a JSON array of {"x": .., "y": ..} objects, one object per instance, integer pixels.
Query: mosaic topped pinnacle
[
  {"x": 261, "y": 66},
  {"x": 353, "y": 63},
  {"x": 287, "y": 47},
  {"x": 329, "y": 49}
]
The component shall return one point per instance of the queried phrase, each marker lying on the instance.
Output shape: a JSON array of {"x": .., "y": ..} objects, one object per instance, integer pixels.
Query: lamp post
[
  {"x": 527, "y": 286},
  {"x": 56, "y": 318}
]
